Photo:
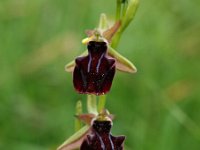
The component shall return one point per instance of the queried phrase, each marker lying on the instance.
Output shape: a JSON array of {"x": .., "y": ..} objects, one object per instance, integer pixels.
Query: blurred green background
[{"x": 158, "y": 108}]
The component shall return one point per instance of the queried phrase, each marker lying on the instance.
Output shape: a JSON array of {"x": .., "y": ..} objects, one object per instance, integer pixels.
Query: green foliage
[{"x": 157, "y": 108}]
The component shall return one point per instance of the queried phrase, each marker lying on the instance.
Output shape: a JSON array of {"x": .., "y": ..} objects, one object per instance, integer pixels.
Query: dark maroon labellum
[
  {"x": 101, "y": 139},
  {"x": 93, "y": 74}
]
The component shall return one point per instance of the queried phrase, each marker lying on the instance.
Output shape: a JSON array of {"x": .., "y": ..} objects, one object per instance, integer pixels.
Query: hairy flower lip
[
  {"x": 93, "y": 74},
  {"x": 100, "y": 137}
]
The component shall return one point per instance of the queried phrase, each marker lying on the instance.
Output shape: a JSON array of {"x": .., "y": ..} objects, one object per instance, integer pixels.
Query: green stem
[
  {"x": 78, "y": 124},
  {"x": 101, "y": 103},
  {"x": 124, "y": 8},
  {"x": 118, "y": 10},
  {"x": 128, "y": 15},
  {"x": 92, "y": 104},
  {"x": 130, "y": 12}
]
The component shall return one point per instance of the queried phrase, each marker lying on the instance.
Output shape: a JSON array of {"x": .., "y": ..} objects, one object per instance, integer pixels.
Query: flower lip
[
  {"x": 93, "y": 74},
  {"x": 100, "y": 137}
]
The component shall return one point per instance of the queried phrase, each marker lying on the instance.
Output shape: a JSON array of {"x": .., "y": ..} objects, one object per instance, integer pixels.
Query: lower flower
[{"x": 100, "y": 137}]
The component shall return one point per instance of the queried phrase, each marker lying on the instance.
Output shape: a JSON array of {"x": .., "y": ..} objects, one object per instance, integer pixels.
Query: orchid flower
[{"x": 93, "y": 72}]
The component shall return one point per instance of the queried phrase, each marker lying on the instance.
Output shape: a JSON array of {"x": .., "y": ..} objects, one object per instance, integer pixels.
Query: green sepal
[
  {"x": 122, "y": 63},
  {"x": 70, "y": 66},
  {"x": 75, "y": 140}
]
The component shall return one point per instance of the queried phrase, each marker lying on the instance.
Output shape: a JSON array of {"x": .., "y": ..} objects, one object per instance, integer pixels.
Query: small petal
[
  {"x": 108, "y": 34},
  {"x": 86, "y": 118},
  {"x": 86, "y": 40}
]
